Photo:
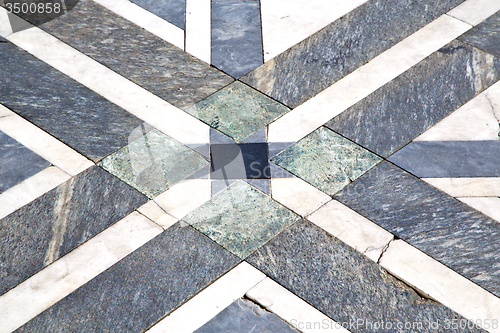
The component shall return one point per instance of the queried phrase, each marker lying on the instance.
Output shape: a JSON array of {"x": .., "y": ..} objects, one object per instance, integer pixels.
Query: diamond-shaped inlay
[
  {"x": 241, "y": 218},
  {"x": 153, "y": 163},
  {"x": 326, "y": 160},
  {"x": 238, "y": 110}
]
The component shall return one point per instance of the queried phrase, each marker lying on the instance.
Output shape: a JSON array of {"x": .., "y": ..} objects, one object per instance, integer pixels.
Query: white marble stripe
[
  {"x": 353, "y": 229},
  {"x": 30, "y": 189},
  {"x": 5, "y": 28},
  {"x": 155, "y": 111},
  {"x": 292, "y": 309},
  {"x": 475, "y": 11},
  {"x": 76, "y": 268},
  {"x": 146, "y": 20},
  {"x": 185, "y": 196},
  {"x": 351, "y": 89},
  {"x": 467, "y": 187},
  {"x": 153, "y": 212},
  {"x": 288, "y": 22},
  {"x": 476, "y": 120},
  {"x": 42, "y": 143},
  {"x": 297, "y": 195},
  {"x": 208, "y": 303},
  {"x": 489, "y": 206},
  {"x": 198, "y": 29},
  {"x": 442, "y": 284}
]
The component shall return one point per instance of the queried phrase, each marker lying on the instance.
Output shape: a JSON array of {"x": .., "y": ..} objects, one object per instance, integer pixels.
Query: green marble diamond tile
[
  {"x": 326, "y": 160},
  {"x": 238, "y": 110},
  {"x": 153, "y": 163},
  {"x": 241, "y": 218}
]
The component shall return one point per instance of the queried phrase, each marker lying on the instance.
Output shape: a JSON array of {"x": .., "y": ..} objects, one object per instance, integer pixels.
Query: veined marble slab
[
  {"x": 74, "y": 114},
  {"x": 326, "y": 160},
  {"x": 345, "y": 285},
  {"x": 17, "y": 162},
  {"x": 141, "y": 289},
  {"x": 489, "y": 206},
  {"x": 440, "y": 226},
  {"x": 236, "y": 36},
  {"x": 450, "y": 158},
  {"x": 475, "y": 11},
  {"x": 301, "y": 72},
  {"x": 401, "y": 110},
  {"x": 238, "y": 111},
  {"x": 52, "y": 225},
  {"x": 485, "y": 35},
  {"x": 136, "y": 54},
  {"x": 241, "y": 218}
]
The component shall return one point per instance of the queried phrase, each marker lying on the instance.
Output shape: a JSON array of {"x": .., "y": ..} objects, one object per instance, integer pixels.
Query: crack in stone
[
  {"x": 493, "y": 111},
  {"x": 384, "y": 249}
]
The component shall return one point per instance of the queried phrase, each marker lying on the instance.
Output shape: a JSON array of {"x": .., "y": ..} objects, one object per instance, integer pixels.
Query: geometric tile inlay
[
  {"x": 153, "y": 163},
  {"x": 237, "y": 110},
  {"x": 326, "y": 160},
  {"x": 241, "y": 219}
]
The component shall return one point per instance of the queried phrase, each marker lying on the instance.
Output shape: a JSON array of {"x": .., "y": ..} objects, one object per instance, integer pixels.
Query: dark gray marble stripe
[
  {"x": 142, "y": 288},
  {"x": 446, "y": 229},
  {"x": 344, "y": 284},
  {"x": 301, "y": 72},
  {"x": 2, "y": 40},
  {"x": 450, "y": 158},
  {"x": 402, "y": 109},
  {"x": 136, "y": 54},
  {"x": 17, "y": 162},
  {"x": 236, "y": 36},
  {"x": 244, "y": 316},
  {"x": 486, "y": 35},
  {"x": 173, "y": 11},
  {"x": 74, "y": 114},
  {"x": 60, "y": 220}
]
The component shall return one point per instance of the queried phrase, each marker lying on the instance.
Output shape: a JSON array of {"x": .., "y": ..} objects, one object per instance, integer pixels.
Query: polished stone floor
[{"x": 251, "y": 166}]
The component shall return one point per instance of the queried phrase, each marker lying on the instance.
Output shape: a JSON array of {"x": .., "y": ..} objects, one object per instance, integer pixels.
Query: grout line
[
  {"x": 366, "y": 79},
  {"x": 42, "y": 143},
  {"x": 289, "y": 307},
  {"x": 146, "y": 20},
  {"x": 148, "y": 107},
  {"x": 62, "y": 277},
  {"x": 30, "y": 189},
  {"x": 212, "y": 300},
  {"x": 198, "y": 29}
]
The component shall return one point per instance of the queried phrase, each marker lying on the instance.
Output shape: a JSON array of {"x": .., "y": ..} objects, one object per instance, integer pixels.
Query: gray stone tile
[
  {"x": 60, "y": 220},
  {"x": 72, "y": 113},
  {"x": 236, "y": 36},
  {"x": 136, "y": 54},
  {"x": 17, "y": 162},
  {"x": 486, "y": 35},
  {"x": 304, "y": 70},
  {"x": 173, "y": 11},
  {"x": 142, "y": 288},
  {"x": 450, "y": 158},
  {"x": 244, "y": 316},
  {"x": 444, "y": 228},
  {"x": 344, "y": 284},
  {"x": 402, "y": 109},
  {"x": 2, "y": 40}
]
